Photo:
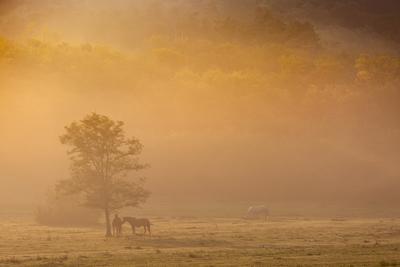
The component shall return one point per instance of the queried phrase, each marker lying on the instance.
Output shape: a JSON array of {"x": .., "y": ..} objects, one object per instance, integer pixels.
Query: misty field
[{"x": 208, "y": 242}]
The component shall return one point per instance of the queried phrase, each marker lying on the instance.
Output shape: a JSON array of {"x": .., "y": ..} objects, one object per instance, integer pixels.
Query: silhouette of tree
[{"x": 101, "y": 158}]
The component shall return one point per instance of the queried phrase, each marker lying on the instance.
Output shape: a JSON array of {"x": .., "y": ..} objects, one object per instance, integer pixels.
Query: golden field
[{"x": 189, "y": 241}]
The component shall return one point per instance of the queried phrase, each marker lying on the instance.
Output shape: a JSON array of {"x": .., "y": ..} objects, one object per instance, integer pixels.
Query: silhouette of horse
[
  {"x": 116, "y": 226},
  {"x": 138, "y": 222}
]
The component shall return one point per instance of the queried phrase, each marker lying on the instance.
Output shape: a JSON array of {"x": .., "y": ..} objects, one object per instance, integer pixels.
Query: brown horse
[{"x": 137, "y": 222}]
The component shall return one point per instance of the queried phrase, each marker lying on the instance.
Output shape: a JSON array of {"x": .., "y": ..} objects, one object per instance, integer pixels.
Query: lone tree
[{"x": 101, "y": 159}]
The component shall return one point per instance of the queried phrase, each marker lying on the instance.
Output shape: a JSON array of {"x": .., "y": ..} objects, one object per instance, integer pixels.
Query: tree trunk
[{"x": 108, "y": 223}]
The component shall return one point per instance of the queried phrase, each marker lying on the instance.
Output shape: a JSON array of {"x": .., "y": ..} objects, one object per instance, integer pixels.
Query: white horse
[{"x": 256, "y": 212}]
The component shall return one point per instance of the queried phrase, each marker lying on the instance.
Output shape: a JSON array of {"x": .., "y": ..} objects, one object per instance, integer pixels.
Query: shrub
[{"x": 65, "y": 211}]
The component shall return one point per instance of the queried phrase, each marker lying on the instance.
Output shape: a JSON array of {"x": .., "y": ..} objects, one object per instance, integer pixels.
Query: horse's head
[{"x": 127, "y": 219}]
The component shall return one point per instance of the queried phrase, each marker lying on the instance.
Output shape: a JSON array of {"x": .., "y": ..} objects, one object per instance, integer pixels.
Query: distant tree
[{"x": 101, "y": 158}]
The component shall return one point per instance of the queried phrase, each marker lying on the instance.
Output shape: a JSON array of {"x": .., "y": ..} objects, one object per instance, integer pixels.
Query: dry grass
[{"x": 208, "y": 242}]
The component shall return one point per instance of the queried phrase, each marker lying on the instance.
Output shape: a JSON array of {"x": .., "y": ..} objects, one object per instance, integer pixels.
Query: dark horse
[
  {"x": 116, "y": 226},
  {"x": 136, "y": 222}
]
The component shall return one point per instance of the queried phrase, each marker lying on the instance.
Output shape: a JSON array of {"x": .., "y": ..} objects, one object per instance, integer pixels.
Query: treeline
[
  {"x": 248, "y": 81},
  {"x": 242, "y": 49},
  {"x": 378, "y": 17},
  {"x": 130, "y": 22},
  {"x": 252, "y": 67}
]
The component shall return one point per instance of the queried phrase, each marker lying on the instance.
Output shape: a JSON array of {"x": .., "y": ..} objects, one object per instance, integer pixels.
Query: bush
[{"x": 65, "y": 211}]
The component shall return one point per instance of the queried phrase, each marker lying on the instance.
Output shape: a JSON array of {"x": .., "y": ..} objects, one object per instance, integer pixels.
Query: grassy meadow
[{"x": 192, "y": 241}]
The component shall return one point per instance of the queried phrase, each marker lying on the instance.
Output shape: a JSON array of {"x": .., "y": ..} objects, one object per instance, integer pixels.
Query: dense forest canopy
[{"x": 247, "y": 99}]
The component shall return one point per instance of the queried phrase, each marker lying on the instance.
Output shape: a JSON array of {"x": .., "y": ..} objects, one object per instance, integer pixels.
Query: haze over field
[{"x": 234, "y": 101}]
